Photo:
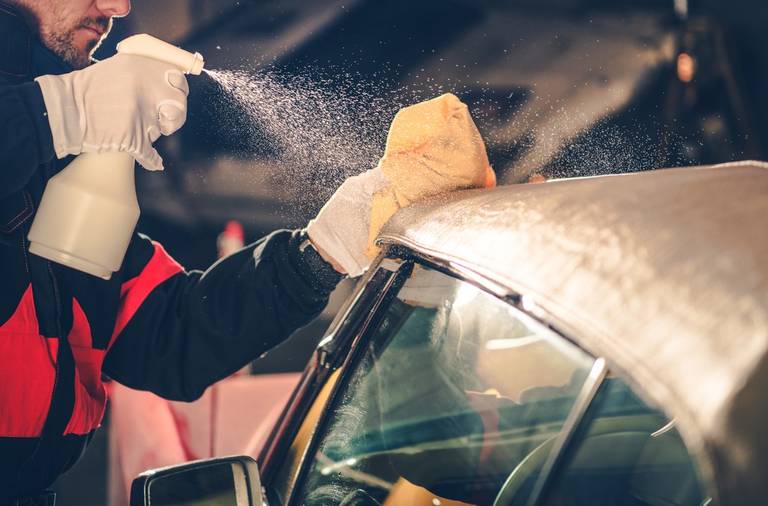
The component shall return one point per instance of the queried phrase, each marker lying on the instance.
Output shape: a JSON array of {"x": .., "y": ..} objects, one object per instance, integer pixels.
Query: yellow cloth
[{"x": 432, "y": 147}]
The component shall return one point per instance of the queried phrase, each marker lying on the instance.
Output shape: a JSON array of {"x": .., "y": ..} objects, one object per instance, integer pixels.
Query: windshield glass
[{"x": 453, "y": 390}]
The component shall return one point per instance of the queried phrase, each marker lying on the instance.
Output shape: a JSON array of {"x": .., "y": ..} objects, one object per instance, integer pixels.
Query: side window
[
  {"x": 626, "y": 453},
  {"x": 284, "y": 480},
  {"x": 454, "y": 389},
  {"x": 281, "y": 485}
]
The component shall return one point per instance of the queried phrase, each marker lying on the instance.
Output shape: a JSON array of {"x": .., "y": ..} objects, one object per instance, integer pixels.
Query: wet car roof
[{"x": 664, "y": 273}]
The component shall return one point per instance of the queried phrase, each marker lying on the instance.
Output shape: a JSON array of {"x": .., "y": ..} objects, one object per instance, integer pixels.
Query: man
[{"x": 152, "y": 326}]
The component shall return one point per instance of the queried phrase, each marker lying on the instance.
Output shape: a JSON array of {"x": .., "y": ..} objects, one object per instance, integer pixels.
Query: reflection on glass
[
  {"x": 455, "y": 388},
  {"x": 219, "y": 484},
  {"x": 628, "y": 454},
  {"x": 284, "y": 479}
]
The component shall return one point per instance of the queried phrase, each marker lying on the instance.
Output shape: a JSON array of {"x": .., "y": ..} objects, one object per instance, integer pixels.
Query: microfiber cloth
[{"x": 433, "y": 147}]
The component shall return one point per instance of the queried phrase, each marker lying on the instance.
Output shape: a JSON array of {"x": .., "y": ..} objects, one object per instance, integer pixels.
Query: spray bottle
[{"x": 89, "y": 210}]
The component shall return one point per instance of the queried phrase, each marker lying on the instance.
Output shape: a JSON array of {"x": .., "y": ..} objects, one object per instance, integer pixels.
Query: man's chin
[
  {"x": 78, "y": 60},
  {"x": 72, "y": 56},
  {"x": 86, "y": 46}
]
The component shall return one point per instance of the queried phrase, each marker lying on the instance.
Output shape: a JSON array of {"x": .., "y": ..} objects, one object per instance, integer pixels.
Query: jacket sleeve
[
  {"x": 178, "y": 332},
  {"x": 26, "y": 141}
]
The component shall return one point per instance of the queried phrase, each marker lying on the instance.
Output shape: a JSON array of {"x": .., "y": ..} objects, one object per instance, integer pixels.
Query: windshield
[{"x": 454, "y": 388}]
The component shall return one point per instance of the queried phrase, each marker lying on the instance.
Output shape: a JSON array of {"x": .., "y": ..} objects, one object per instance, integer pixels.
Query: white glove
[
  {"x": 433, "y": 147},
  {"x": 340, "y": 229},
  {"x": 123, "y": 103}
]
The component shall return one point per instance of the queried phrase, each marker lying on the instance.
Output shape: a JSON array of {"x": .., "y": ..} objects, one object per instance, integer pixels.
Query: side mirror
[{"x": 226, "y": 481}]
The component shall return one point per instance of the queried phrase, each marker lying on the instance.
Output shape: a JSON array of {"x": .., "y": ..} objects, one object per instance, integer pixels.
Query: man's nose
[{"x": 114, "y": 8}]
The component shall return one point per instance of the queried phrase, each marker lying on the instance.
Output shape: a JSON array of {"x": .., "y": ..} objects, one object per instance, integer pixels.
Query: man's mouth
[
  {"x": 98, "y": 26},
  {"x": 98, "y": 32}
]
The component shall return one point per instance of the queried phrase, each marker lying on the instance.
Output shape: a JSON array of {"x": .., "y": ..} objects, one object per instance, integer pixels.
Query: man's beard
[{"x": 63, "y": 44}]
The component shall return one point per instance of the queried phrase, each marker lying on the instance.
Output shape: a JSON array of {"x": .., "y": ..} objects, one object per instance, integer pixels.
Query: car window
[
  {"x": 453, "y": 390},
  {"x": 628, "y": 453},
  {"x": 284, "y": 479},
  {"x": 348, "y": 323}
]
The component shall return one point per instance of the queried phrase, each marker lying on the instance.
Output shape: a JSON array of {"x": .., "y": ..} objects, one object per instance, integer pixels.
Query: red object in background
[
  {"x": 231, "y": 239},
  {"x": 147, "y": 431}
]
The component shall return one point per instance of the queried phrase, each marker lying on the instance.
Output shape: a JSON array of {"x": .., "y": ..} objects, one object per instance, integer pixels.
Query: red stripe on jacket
[
  {"x": 27, "y": 372},
  {"x": 135, "y": 291},
  {"x": 28, "y": 360},
  {"x": 90, "y": 393}
]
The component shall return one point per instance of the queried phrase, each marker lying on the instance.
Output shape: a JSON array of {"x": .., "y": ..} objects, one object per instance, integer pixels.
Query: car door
[{"x": 451, "y": 394}]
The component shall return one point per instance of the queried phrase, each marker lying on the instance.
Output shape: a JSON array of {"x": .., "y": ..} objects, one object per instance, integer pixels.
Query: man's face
[{"x": 73, "y": 29}]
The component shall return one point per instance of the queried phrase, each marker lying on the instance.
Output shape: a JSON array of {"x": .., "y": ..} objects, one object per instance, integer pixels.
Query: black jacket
[{"x": 153, "y": 326}]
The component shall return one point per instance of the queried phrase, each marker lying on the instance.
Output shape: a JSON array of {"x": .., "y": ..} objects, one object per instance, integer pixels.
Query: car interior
[{"x": 444, "y": 407}]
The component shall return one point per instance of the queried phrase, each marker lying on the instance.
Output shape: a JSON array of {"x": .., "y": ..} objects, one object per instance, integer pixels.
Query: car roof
[{"x": 664, "y": 273}]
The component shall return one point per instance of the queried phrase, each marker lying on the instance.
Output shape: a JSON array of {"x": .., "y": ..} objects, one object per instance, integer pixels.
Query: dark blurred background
[
  {"x": 558, "y": 87},
  {"x": 561, "y": 87}
]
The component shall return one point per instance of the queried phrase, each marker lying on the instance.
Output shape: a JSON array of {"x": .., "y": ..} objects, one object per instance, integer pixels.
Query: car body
[{"x": 587, "y": 341}]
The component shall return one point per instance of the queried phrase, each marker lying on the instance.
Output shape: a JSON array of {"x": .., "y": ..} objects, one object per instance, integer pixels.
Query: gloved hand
[
  {"x": 123, "y": 103},
  {"x": 340, "y": 230},
  {"x": 432, "y": 148}
]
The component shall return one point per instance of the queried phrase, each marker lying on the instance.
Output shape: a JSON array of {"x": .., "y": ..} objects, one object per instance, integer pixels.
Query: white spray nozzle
[{"x": 151, "y": 47}]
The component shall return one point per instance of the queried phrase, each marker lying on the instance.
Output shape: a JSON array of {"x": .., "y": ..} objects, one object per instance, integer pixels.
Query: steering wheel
[
  {"x": 627, "y": 426},
  {"x": 532, "y": 463}
]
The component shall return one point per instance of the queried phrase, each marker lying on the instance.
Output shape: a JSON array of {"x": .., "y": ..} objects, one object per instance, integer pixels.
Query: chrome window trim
[
  {"x": 572, "y": 423},
  {"x": 389, "y": 264},
  {"x": 398, "y": 270},
  {"x": 314, "y": 376},
  {"x": 395, "y": 245},
  {"x": 526, "y": 304}
]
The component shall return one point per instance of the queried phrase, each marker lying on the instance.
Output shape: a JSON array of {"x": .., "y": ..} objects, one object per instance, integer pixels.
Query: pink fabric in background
[{"x": 235, "y": 416}]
